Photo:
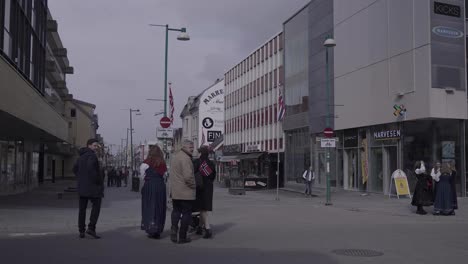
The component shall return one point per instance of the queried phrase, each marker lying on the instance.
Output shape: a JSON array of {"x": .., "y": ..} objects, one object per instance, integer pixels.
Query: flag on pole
[
  {"x": 282, "y": 108},
  {"x": 171, "y": 104},
  {"x": 202, "y": 138}
]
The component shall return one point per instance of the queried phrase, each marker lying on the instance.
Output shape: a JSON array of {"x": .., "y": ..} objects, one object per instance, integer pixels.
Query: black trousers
[
  {"x": 96, "y": 201},
  {"x": 182, "y": 211}
]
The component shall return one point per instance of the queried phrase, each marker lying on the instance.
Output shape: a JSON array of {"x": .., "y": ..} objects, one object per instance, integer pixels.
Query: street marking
[{"x": 30, "y": 234}]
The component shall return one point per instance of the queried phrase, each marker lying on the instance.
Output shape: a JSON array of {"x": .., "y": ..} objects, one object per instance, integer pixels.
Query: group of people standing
[
  {"x": 191, "y": 190},
  {"x": 116, "y": 177},
  {"x": 436, "y": 188}
]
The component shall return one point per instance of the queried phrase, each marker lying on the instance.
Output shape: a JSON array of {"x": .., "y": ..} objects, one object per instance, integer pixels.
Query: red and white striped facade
[{"x": 251, "y": 99}]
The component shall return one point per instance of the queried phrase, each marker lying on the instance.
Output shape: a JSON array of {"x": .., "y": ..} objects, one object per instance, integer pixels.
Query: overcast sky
[{"x": 119, "y": 59}]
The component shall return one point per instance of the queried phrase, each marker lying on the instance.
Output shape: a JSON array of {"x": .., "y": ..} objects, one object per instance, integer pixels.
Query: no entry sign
[{"x": 165, "y": 122}]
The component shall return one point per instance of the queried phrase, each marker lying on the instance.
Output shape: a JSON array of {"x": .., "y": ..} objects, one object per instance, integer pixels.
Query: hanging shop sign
[
  {"x": 253, "y": 148},
  {"x": 387, "y": 135}
]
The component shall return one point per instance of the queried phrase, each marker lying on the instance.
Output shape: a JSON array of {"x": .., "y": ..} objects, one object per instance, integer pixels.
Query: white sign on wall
[{"x": 211, "y": 114}]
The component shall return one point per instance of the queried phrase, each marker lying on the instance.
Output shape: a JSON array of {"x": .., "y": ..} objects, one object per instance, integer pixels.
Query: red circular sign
[
  {"x": 165, "y": 122},
  {"x": 328, "y": 132}
]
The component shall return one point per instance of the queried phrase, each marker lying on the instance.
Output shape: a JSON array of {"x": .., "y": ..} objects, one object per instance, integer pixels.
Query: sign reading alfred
[{"x": 387, "y": 135}]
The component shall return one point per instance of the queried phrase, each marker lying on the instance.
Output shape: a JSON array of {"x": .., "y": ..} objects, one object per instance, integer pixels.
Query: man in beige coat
[{"x": 182, "y": 182}]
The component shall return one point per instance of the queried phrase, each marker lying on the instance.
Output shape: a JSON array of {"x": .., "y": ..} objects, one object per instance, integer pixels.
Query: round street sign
[
  {"x": 165, "y": 122},
  {"x": 328, "y": 132}
]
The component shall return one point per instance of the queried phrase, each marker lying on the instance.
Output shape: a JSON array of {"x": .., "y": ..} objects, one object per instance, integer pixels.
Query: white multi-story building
[
  {"x": 253, "y": 134},
  {"x": 203, "y": 115}
]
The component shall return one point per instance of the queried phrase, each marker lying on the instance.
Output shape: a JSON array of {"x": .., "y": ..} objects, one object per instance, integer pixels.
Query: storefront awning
[
  {"x": 228, "y": 158},
  {"x": 251, "y": 155}
]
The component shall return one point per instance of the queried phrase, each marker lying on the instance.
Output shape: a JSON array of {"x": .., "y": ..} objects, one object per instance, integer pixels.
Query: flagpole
[{"x": 278, "y": 163}]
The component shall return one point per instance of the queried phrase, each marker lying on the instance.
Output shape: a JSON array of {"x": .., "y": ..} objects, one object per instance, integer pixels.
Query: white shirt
[
  {"x": 143, "y": 168},
  {"x": 308, "y": 175},
  {"x": 435, "y": 176},
  {"x": 421, "y": 170}
]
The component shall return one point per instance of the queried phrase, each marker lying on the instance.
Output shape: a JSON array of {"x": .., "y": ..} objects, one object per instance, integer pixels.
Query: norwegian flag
[
  {"x": 205, "y": 169},
  {"x": 282, "y": 108},
  {"x": 171, "y": 104}
]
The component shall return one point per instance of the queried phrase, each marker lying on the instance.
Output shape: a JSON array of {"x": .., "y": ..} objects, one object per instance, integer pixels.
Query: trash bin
[{"x": 135, "y": 184}]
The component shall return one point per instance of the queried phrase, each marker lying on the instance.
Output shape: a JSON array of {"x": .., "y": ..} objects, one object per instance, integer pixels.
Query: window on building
[
  {"x": 270, "y": 48},
  {"x": 276, "y": 113},
  {"x": 275, "y": 144},
  {"x": 275, "y": 78},
  {"x": 275, "y": 44},
  {"x": 270, "y": 81},
  {"x": 280, "y": 42},
  {"x": 281, "y": 143},
  {"x": 73, "y": 112},
  {"x": 281, "y": 75}
]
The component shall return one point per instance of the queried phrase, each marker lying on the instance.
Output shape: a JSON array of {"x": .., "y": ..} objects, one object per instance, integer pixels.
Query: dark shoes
[
  {"x": 421, "y": 212},
  {"x": 208, "y": 234},
  {"x": 92, "y": 233},
  {"x": 154, "y": 236},
  {"x": 199, "y": 231},
  {"x": 184, "y": 240},
  {"x": 174, "y": 230},
  {"x": 82, "y": 235}
]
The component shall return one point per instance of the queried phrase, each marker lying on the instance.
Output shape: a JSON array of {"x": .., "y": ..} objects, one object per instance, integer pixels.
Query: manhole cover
[{"x": 357, "y": 252}]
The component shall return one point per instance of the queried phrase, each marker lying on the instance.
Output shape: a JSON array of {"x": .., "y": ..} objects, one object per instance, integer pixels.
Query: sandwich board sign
[{"x": 401, "y": 184}]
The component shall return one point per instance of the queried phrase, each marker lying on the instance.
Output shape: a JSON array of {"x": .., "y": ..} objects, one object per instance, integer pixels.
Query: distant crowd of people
[{"x": 115, "y": 177}]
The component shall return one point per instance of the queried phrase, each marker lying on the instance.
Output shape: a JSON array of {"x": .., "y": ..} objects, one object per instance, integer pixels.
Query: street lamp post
[
  {"x": 183, "y": 36},
  {"x": 329, "y": 43},
  {"x": 131, "y": 138}
]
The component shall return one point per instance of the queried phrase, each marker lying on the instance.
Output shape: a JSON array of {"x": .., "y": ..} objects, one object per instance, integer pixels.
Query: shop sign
[
  {"x": 401, "y": 183},
  {"x": 387, "y": 135},
  {"x": 447, "y": 9},
  {"x": 232, "y": 149},
  {"x": 447, "y": 32},
  {"x": 253, "y": 148},
  {"x": 213, "y": 135}
]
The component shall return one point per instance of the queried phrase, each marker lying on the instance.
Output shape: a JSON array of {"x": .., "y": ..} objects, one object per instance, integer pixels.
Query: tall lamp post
[
  {"x": 131, "y": 137},
  {"x": 183, "y": 36},
  {"x": 329, "y": 43}
]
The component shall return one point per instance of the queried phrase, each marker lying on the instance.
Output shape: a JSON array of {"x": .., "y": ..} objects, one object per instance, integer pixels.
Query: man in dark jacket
[{"x": 90, "y": 187}]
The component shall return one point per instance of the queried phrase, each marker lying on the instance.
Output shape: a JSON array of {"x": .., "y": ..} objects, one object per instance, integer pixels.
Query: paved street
[{"x": 38, "y": 228}]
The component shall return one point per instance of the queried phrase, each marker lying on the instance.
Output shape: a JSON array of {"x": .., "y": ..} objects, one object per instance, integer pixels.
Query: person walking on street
[
  {"x": 423, "y": 195},
  {"x": 182, "y": 182},
  {"x": 90, "y": 187},
  {"x": 308, "y": 176},
  {"x": 153, "y": 193},
  {"x": 204, "y": 196}
]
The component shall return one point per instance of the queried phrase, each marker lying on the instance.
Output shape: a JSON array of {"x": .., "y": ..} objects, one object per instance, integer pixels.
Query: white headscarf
[{"x": 422, "y": 169}]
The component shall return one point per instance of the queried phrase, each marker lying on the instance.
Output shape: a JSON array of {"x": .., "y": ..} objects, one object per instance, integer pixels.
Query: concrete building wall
[
  {"x": 19, "y": 99},
  {"x": 382, "y": 59}
]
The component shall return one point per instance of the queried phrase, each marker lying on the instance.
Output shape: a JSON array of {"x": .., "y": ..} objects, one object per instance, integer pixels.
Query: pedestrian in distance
[
  {"x": 153, "y": 193},
  {"x": 90, "y": 187},
  {"x": 443, "y": 204},
  {"x": 423, "y": 195},
  {"x": 309, "y": 177},
  {"x": 206, "y": 170},
  {"x": 182, "y": 183},
  {"x": 453, "y": 181}
]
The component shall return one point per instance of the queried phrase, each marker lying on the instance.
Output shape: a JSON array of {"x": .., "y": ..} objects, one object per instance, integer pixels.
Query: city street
[{"x": 37, "y": 227}]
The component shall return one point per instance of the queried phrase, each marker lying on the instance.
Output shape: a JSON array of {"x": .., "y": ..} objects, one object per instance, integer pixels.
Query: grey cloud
[{"x": 119, "y": 59}]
